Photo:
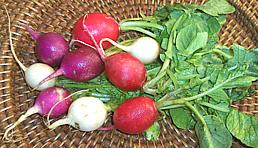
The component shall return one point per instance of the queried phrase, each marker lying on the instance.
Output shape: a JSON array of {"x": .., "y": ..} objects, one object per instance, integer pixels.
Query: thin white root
[
  {"x": 125, "y": 48},
  {"x": 30, "y": 111},
  {"x": 100, "y": 50},
  {"x": 72, "y": 42},
  {"x": 60, "y": 122},
  {"x": 53, "y": 107},
  {"x": 11, "y": 42}
]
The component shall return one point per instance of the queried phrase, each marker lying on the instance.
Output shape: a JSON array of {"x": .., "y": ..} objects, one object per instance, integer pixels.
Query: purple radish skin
[
  {"x": 43, "y": 103},
  {"x": 34, "y": 73},
  {"x": 79, "y": 65},
  {"x": 50, "y": 47}
]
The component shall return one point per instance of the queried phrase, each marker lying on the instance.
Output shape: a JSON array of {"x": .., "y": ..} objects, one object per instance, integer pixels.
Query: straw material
[{"x": 59, "y": 16}]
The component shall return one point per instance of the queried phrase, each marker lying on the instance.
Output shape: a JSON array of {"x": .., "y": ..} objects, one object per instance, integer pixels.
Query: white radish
[
  {"x": 36, "y": 72},
  {"x": 85, "y": 114},
  {"x": 146, "y": 49}
]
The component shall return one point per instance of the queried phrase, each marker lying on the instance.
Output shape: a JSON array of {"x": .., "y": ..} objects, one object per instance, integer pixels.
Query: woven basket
[{"x": 59, "y": 16}]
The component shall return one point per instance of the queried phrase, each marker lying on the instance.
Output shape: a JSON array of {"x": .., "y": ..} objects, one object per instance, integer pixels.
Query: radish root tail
[
  {"x": 100, "y": 50},
  {"x": 11, "y": 42},
  {"x": 72, "y": 42},
  {"x": 125, "y": 48},
  {"x": 7, "y": 135}
]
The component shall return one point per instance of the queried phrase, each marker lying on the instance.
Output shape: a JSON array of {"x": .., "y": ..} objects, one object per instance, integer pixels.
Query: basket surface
[{"x": 59, "y": 16}]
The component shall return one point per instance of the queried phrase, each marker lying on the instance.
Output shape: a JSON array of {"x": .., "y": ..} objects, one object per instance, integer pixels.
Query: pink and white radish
[
  {"x": 79, "y": 65},
  {"x": 85, "y": 114},
  {"x": 44, "y": 102},
  {"x": 34, "y": 73},
  {"x": 99, "y": 25},
  {"x": 146, "y": 49},
  {"x": 50, "y": 47}
]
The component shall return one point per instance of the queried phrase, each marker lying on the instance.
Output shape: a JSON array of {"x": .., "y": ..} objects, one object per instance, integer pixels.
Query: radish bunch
[{"x": 94, "y": 32}]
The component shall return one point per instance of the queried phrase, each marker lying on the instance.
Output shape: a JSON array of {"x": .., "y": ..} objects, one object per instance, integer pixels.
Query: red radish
[
  {"x": 125, "y": 71},
  {"x": 86, "y": 114},
  {"x": 34, "y": 73},
  {"x": 44, "y": 102},
  {"x": 100, "y": 25},
  {"x": 135, "y": 115},
  {"x": 79, "y": 65},
  {"x": 50, "y": 47},
  {"x": 145, "y": 49}
]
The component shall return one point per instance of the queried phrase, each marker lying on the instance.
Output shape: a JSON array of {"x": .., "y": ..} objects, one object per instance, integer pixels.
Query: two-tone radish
[
  {"x": 146, "y": 49},
  {"x": 43, "y": 103}
]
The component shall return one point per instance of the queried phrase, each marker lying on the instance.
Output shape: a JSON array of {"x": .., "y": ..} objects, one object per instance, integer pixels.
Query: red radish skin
[
  {"x": 100, "y": 25},
  {"x": 50, "y": 47},
  {"x": 135, "y": 115},
  {"x": 43, "y": 103},
  {"x": 79, "y": 65},
  {"x": 125, "y": 71}
]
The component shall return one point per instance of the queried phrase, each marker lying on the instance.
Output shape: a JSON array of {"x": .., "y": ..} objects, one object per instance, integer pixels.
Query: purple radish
[
  {"x": 81, "y": 64},
  {"x": 34, "y": 73},
  {"x": 43, "y": 103},
  {"x": 50, "y": 47}
]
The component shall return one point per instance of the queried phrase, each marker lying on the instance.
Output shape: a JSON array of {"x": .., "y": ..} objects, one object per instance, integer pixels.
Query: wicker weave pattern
[{"x": 59, "y": 16}]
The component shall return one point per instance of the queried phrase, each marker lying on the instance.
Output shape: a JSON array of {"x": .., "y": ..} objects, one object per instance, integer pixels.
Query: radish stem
[
  {"x": 139, "y": 29},
  {"x": 35, "y": 35},
  {"x": 141, "y": 24}
]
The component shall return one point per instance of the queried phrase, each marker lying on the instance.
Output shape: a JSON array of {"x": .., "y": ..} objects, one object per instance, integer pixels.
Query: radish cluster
[{"x": 92, "y": 33}]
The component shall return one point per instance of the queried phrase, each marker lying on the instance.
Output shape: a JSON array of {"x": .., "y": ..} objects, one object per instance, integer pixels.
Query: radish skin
[
  {"x": 36, "y": 72},
  {"x": 43, "y": 103},
  {"x": 85, "y": 114},
  {"x": 50, "y": 47},
  {"x": 146, "y": 49},
  {"x": 125, "y": 71},
  {"x": 100, "y": 25},
  {"x": 79, "y": 65},
  {"x": 135, "y": 115}
]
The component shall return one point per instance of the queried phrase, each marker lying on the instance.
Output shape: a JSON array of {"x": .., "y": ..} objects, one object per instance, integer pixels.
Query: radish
[
  {"x": 146, "y": 49},
  {"x": 50, "y": 47},
  {"x": 125, "y": 71},
  {"x": 85, "y": 114},
  {"x": 34, "y": 73},
  {"x": 135, "y": 115},
  {"x": 79, "y": 65},
  {"x": 100, "y": 25},
  {"x": 44, "y": 102}
]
